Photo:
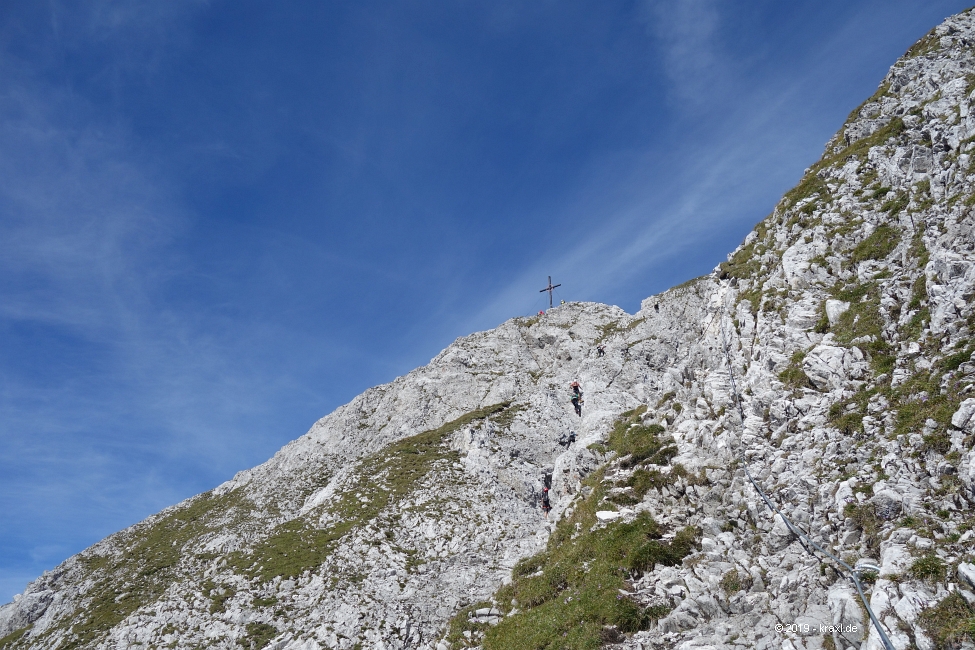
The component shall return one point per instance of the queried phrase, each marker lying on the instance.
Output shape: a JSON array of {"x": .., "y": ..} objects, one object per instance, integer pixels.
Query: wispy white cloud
[
  {"x": 687, "y": 33},
  {"x": 737, "y": 157},
  {"x": 89, "y": 229}
]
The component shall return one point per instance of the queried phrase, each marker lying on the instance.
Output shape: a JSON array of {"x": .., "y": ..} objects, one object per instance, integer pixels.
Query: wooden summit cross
[{"x": 550, "y": 288}]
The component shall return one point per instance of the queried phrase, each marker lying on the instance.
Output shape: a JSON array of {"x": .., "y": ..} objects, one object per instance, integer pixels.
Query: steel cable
[{"x": 852, "y": 573}]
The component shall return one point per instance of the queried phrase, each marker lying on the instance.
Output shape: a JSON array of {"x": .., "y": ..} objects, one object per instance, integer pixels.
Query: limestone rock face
[{"x": 848, "y": 322}]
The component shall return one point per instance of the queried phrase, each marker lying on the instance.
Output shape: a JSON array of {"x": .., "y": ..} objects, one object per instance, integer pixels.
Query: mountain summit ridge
[{"x": 409, "y": 518}]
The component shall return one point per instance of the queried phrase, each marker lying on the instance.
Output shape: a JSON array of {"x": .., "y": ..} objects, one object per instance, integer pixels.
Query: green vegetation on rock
[
  {"x": 878, "y": 245},
  {"x": 732, "y": 582},
  {"x": 865, "y": 518},
  {"x": 746, "y": 263},
  {"x": 929, "y": 567},
  {"x": 794, "y": 376},
  {"x": 570, "y": 593},
  {"x": 388, "y": 476},
  {"x": 258, "y": 636},
  {"x": 568, "y": 597},
  {"x": 147, "y": 562},
  {"x": 9, "y": 642},
  {"x": 862, "y": 325},
  {"x": 638, "y": 442},
  {"x": 949, "y": 622}
]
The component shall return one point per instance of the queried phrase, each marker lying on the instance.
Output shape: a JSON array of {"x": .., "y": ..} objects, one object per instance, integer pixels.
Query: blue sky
[{"x": 220, "y": 220}]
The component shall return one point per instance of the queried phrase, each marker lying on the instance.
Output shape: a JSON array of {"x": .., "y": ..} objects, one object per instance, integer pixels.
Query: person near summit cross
[{"x": 576, "y": 397}]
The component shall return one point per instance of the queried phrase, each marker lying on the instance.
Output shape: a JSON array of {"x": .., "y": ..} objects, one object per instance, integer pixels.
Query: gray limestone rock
[
  {"x": 887, "y": 504},
  {"x": 835, "y": 309},
  {"x": 411, "y": 504},
  {"x": 963, "y": 416}
]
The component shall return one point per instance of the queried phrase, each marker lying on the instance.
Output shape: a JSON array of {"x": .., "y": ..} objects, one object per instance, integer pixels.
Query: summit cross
[{"x": 550, "y": 288}]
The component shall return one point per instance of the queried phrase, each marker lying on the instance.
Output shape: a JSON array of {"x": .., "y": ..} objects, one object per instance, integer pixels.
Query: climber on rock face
[
  {"x": 567, "y": 440},
  {"x": 600, "y": 350},
  {"x": 546, "y": 504},
  {"x": 576, "y": 397}
]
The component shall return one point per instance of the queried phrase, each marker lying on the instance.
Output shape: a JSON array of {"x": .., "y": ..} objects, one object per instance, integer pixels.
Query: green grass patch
[
  {"x": 732, "y": 582},
  {"x": 258, "y": 636},
  {"x": 895, "y": 204},
  {"x": 10, "y": 642},
  {"x": 919, "y": 292},
  {"x": 794, "y": 376},
  {"x": 919, "y": 399},
  {"x": 569, "y": 597},
  {"x": 637, "y": 441},
  {"x": 613, "y": 327},
  {"x": 929, "y": 43},
  {"x": 877, "y": 245},
  {"x": 922, "y": 195},
  {"x": 687, "y": 284},
  {"x": 812, "y": 184},
  {"x": 147, "y": 564},
  {"x": 822, "y": 325},
  {"x": 386, "y": 477},
  {"x": 953, "y": 361},
  {"x": 950, "y": 622},
  {"x": 218, "y": 595},
  {"x": 866, "y": 519},
  {"x": 462, "y": 622},
  {"x": 881, "y": 91},
  {"x": 571, "y": 592},
  {"x": 642, "y": 481},
  {"x": 863, "y": 319},
  {"x": 929, "y": 567},
  {"x": 746, "y": 263},
  {"x": 915, "y": 326}
]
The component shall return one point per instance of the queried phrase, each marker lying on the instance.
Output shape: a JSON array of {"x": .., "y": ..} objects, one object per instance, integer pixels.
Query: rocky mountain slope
[{"x": 410, "y": 517}]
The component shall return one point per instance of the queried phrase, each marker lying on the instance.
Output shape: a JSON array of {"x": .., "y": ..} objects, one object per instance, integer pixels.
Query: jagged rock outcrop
[{"x": 394, "y": 521}]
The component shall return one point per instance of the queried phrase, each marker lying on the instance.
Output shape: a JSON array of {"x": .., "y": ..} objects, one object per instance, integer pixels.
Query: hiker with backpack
[{"x": 576, "y": 397}]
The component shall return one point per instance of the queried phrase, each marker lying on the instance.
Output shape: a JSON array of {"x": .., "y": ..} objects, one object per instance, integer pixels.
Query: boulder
[
  {"x": 835, "y": 309},
  {"x": 963, "y": 416},
  {"x": 847, "y": 611},
  {"x": 887, "y": 504},
  {"x": 781, "y": 536},
  {"x": 966, "y": 571},
  {"x": 829, "y": 366}
]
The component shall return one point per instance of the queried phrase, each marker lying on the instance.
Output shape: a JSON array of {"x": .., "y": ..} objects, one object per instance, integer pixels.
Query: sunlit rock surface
[{"x": 848, "y": 314}]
